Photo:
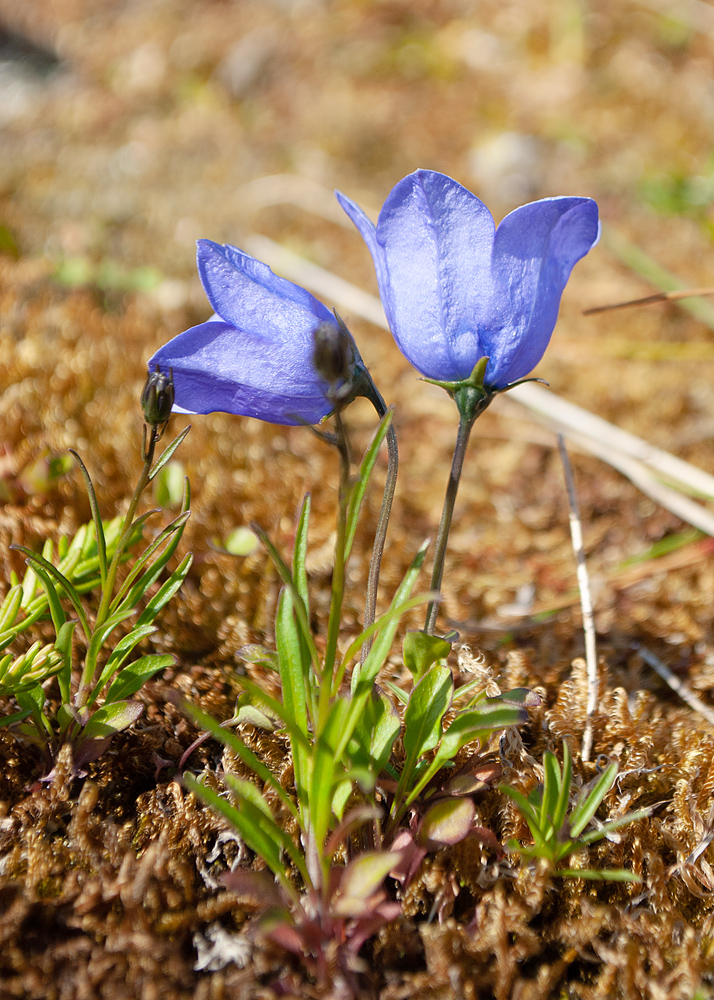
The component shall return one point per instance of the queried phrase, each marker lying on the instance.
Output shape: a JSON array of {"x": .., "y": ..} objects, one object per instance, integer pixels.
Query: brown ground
[{"x": 133, "y": 128}]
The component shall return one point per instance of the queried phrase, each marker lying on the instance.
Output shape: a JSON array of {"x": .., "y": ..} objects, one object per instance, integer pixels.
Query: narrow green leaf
[
  {"x": 293, "y": 664},
  {"x": 64, "y": 644},
  {"x": 428, "y": 703},
  {"x": 133, "y": 589},
  {"x": 561, "y": 805},
  {"x": 112, "y": 718},
  {"x": 614, "y": 824},
  {"x": 10, "y": 607},
  {"x": 298, "y": 604},
  {"x": 375, "y": 733},
  {"x": 234, "y": 743},
  {"x": 525, "y": 807},
  {"x": 363, "y": 676},
  {"x": 300, "y": 554},
  {"x": 56, "y": 610},
  {"x": 606, "y": 875},
  {"x": 135, "y": 675},
  {"x": 10, "y": 720},
  {"x": 167, "y": 453},
  {"x": 96, "y": 518},
  {"x": 167, "y": 590},
  {"x": 590, "y": 800},
  {"x": 394, "y": 613},
  {"x": 552, "y": 783},
  {"x": 360, "y": 486},
  {"x": 251, "y": 831},
  {"x": 37, "y": 561}
]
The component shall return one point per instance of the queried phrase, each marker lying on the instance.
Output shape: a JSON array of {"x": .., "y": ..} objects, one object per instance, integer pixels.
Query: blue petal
[
  {"x": 535, "y": 250},
  {"x": 245, "y": 293},
  {"x": 437, "y": 239},
  {"x": 219, "y": 367}
]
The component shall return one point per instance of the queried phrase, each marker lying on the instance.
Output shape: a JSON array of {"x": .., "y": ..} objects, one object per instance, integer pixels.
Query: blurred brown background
[{"x": 131, "y": 129}]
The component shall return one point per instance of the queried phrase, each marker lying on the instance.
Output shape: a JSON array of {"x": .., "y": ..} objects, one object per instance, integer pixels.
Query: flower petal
[
  {"x": 535, "y": 250},
  {"x": 247, "y": 294},
  {"x": 437, "y": 239},
  {"x": 218, "y": 367}
]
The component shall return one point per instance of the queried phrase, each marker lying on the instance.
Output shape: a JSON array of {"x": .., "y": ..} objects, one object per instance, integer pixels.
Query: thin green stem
[{"x": 457, "y": 464}]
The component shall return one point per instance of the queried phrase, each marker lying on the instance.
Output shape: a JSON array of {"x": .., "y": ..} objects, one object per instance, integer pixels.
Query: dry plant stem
[
  {"x": 674, "y": 682},
  {"x": 457, "y": 464},
  {"x": 375, "y": 562},
  {"x": 576, "y": 534},
  {"x": 108, "y": 591},
  {"x": 687, "y": 293}
]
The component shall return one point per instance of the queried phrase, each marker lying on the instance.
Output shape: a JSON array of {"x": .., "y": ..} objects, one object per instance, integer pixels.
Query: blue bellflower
[
  {"x": 456, "y": 289},
  {"x": 254, "y": 356}
]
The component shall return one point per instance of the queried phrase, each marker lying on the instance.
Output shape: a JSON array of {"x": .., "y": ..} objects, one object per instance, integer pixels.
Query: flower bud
[
  {"x": 334, "y": 356},
  {"x": 157, "y": 398}
]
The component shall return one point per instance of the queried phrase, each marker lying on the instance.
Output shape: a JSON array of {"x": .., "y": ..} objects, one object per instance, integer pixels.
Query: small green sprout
[{"x": 558, "y": 833}]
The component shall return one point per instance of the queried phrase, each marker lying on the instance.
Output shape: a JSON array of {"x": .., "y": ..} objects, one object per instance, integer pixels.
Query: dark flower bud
[
  {"x": 334, "y": 357},
  {"x": 157, "y": 398}
]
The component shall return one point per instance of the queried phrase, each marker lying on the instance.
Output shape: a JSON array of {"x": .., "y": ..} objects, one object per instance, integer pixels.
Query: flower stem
[{"x": 457, "y": 463}]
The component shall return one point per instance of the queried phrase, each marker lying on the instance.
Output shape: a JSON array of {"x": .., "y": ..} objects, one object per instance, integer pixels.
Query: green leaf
[
  {"x": 234, "y": 743},
  {"x": 165, "y": 544},
  {"x": 133, "y": 677},
  {"x": 324, "y": 773},
  {"x": 166, "y": 592},
  {"x": 375, "y": 733},
  {"x": 590, "y": 799},
  {"x": 10, "y": 720},
  {"x": 168, "y": 452},
  {"x": 365, "y": 471},
  {"x": 96, "y": 518},
  {"x": 363, "y": 676},
  {"x": 394, "y": 613},
  {"x": 10, "y": 607},
  {"x": 614, "y": 824},
  {"x": 298, "y": 604},
  {"x": 56, "y": 610},
  {"x": 119, "y": 655},
  {"x": 39, "y": 562},
  {"x": 64, "y": 644},
  {"x": 447, "y": 822},
  {"x": 606, "y": 875},
  {"x": 112, "y": 718},
  {"x": 168, "y": 488},
  {"x": 300, "y": 554},
  {"x": 428, "y": 703},
  {"x": 250, "y": 823},
  {"x": 361, "y": 879},
  {"x": 561, "y": 805},
  {"x": 420, "y": 651}
]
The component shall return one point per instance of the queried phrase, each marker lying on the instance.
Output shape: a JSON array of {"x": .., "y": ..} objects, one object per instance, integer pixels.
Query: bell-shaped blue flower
[
  {"x": 254, "y": 356},
  {"x": 457, "y": 289}
]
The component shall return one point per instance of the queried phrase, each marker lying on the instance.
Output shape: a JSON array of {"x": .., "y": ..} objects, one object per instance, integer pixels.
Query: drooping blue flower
[
  {"x": 254, "y": 356},
  {"x": 456, "y": 289}
]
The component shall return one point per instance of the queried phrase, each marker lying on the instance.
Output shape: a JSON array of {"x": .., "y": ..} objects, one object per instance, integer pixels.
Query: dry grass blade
[
  {"x": 674, "y": 682},
  {"x": 586, "y": 603},
  {"x": 649, "y": 299}
]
